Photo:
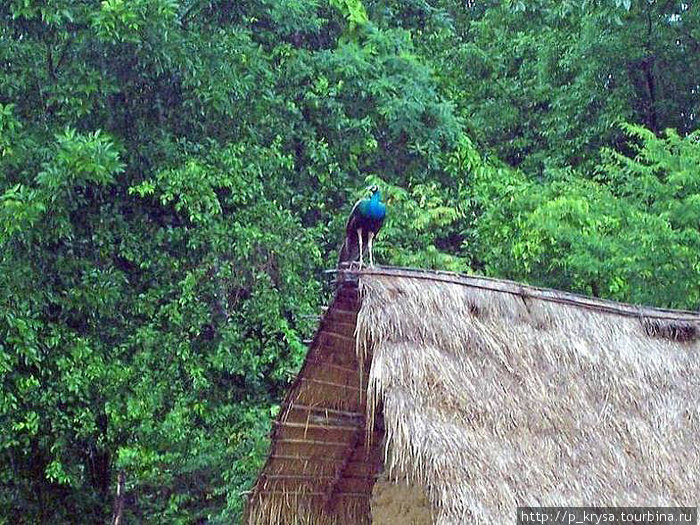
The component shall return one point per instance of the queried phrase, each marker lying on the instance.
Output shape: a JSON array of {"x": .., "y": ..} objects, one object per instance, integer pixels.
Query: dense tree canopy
[{"x": 175, "y": 176}]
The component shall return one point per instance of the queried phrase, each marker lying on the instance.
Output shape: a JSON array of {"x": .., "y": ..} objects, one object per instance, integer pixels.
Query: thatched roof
[{"x": 489, "y": 395}]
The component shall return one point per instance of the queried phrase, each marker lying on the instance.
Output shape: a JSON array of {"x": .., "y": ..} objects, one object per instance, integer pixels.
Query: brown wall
[{"x": 399, "y": 504}]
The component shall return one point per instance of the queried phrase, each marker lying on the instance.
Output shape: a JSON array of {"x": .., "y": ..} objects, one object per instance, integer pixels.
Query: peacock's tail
[{"x": 350, "y": 251}]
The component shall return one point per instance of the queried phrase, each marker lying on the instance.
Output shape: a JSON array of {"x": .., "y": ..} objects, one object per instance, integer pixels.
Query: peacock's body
[{"x": 366, "y": 218}]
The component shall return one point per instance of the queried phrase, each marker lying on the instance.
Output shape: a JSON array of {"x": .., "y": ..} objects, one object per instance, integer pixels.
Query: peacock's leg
[
  {"x": 359, "y": 240},
  {"x": 370, "y": 239}
]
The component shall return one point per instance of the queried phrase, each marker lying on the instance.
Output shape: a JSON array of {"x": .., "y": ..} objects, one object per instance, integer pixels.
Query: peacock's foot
[{"x": 356, "y": 265}]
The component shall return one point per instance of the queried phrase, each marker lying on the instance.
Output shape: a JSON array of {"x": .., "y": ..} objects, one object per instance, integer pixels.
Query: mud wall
[{"x": 399, "y": 504}]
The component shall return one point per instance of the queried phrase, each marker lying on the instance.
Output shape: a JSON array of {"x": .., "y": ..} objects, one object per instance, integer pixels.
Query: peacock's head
[{"x": 373, "y": 189}]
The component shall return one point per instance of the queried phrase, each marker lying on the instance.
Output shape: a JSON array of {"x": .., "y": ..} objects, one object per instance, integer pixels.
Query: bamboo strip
[
  {"x": 323, "y": 459},
  {"x": 328, "y": 383},
  {"x": 331, "y": 365},
  {"x": 316, "y": 494},
  {"x": 328, "y": 410},
  {"x": 313, "y": 442},
  {"x": 292, "y": 424},
  {"x": 337, "y": 335}
]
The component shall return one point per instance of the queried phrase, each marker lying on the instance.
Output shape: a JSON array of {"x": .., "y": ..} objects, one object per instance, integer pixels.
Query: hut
[{"x": 431, "y": 397}]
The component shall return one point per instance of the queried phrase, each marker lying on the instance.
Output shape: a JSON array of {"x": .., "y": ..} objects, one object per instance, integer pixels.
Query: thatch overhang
[{"x": 487, "y": 395}]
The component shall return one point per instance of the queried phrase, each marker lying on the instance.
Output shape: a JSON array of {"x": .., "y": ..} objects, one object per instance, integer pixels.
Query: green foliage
[
  {"x": 176, "y": 175},
  {"x": 613, "y": 237},
  {"x": 353, "y": 11},
  {"x": 545, "y": 84}
]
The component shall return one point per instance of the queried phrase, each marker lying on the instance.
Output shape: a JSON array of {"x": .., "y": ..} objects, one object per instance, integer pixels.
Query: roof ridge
[{"x": 528, "y": 291}]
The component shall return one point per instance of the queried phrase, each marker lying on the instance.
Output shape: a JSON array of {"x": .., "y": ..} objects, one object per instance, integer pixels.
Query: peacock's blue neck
[{"x": 373, "y": 208}]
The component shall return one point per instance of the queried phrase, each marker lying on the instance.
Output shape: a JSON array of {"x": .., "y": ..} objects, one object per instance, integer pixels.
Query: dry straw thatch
[
  {"x": 319, "y": 471},
  {"x": 491, "y": 395}
]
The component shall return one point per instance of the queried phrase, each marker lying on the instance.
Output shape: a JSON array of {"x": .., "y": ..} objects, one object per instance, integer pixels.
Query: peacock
[{"x": 365, "y": 220}]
